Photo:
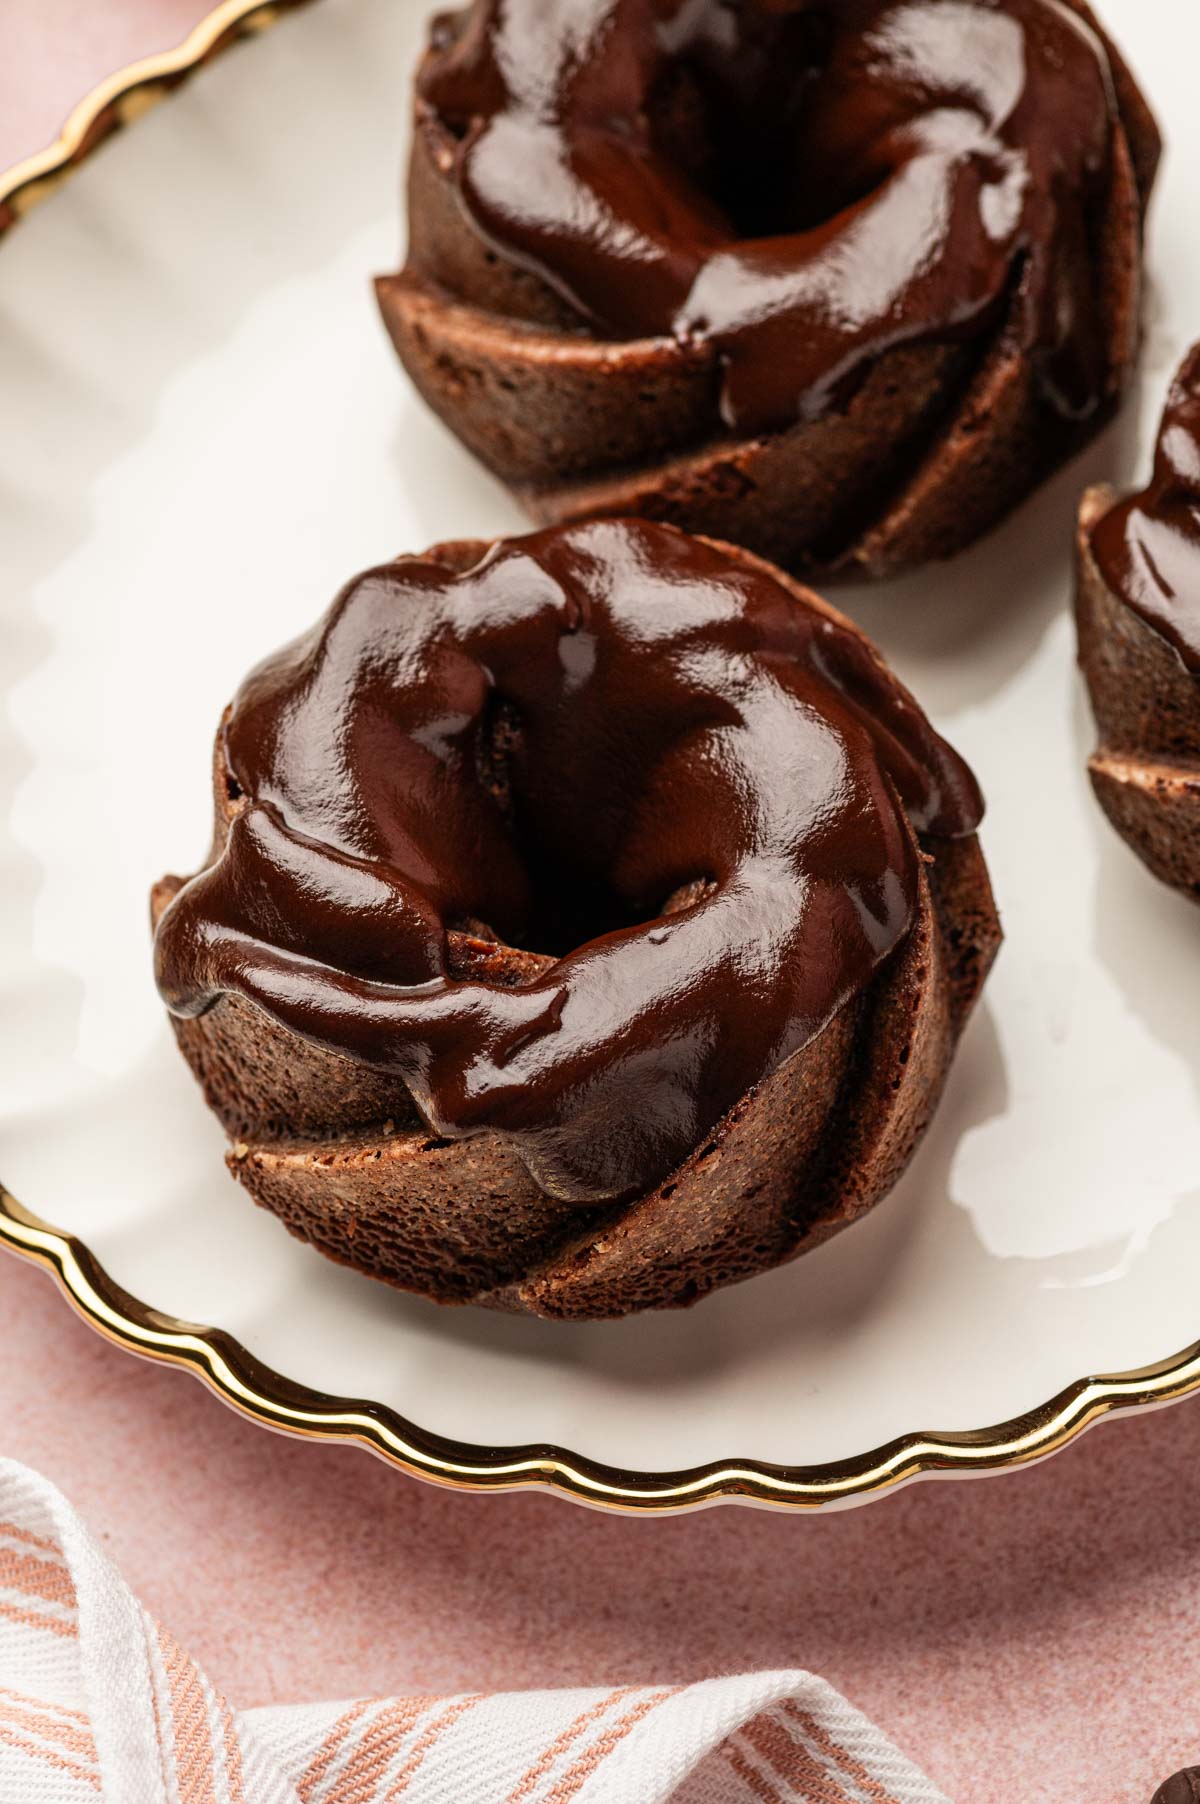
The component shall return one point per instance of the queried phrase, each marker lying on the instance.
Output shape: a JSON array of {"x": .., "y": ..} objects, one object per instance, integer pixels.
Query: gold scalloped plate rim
[
  {"x": 266, "y": 1396},
  {"x": 125, "y": 96}
]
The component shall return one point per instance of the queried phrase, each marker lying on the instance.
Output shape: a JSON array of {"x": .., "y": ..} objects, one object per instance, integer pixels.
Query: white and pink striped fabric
[{"x": 96, "y": 1700}]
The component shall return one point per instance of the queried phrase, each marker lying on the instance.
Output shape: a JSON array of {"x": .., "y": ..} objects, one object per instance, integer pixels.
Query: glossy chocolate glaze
[
  {"x": 1148, "y": 547},
  {"x": 802, "y": 184},
  {"x": 588, "y": 726}
]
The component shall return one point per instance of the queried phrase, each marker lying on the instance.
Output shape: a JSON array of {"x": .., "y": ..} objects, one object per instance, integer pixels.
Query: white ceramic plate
[{"x": 205, "y": 432}]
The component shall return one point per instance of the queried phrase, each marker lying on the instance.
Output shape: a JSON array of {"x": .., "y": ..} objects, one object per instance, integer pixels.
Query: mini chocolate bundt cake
[
  {"x": 590, "y": 921},
  {"x": 1138, "y": 614},
  {"x": 838, "y": 280}
]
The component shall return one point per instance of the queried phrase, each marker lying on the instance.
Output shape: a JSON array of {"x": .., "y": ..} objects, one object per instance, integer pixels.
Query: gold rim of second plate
[{"x": 270, "y": 1398}]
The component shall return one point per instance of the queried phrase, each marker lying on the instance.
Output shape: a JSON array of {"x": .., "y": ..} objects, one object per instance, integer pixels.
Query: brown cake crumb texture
[
  {"x": 338, "y": 1153},
  {"x": 1146, "y": 769}
]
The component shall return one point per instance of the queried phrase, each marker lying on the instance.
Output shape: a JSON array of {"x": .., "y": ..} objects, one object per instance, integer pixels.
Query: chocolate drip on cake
[
  {"x": 610, "y": 872},
  {"x": 1147, "y": 548},
  {"x": 838, "y": 281},
  {"x": 1138, "y": 616}
]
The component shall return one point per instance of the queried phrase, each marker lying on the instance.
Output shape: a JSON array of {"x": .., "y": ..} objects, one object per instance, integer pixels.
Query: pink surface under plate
[{"x": 1034, "y": 1637}]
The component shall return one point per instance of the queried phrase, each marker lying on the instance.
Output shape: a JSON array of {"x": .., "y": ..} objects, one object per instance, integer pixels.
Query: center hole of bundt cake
[
  {"x": 728, "y": 113},
  {"x": 571, "y": 907},
  {"x": 572, "y": 900}
]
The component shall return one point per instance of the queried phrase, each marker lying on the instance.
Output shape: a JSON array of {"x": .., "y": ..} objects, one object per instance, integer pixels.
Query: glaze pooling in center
[
  {"x": 615, "y": 724},
  {"x": 803, "y": 184}
]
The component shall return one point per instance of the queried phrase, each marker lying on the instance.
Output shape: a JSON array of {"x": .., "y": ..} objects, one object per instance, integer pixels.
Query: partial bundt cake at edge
[
  {"x": 597, "y": 386},
  {"x": 336, "y": 1147},
  {"x": 1138, "y": 618}
]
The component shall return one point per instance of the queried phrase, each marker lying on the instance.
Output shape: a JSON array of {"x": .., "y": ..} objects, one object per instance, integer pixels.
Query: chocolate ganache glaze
[
  {"x": 1147, "y": 548},
  {"x": 613, "y": 743},
  {"x": 803, "y": 184}
]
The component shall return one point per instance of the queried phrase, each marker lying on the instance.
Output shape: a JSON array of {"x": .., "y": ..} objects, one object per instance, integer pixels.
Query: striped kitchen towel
[{"x": 98, "y": 1700}]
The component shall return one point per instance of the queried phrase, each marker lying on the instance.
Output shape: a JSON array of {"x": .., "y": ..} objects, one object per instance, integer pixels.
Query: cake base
[{"x": 1146, "y": 770}]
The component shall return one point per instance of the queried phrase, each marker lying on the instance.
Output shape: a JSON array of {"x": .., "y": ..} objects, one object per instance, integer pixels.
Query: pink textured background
[{"x": 1035, "y": 1638}]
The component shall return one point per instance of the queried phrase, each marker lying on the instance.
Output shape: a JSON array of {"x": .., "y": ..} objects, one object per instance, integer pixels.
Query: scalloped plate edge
[
  {"x": 275, "y": 1401},
  {"x": 267, "y": 1397},
  {"x": 125, "y": 96}
]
